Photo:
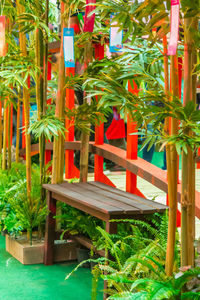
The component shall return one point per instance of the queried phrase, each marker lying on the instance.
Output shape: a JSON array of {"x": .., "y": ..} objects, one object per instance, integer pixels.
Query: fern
[{"x": 16, "y": 213}]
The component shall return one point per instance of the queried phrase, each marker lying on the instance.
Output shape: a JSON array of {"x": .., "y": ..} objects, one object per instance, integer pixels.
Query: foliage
[
  {"x": 149, "y": 107},
  {"x": 164, "y": 288},
  {"x": 129, "y": 248},
  {"x": 134, "y": 240},
  {"x": 16, "y": 213},
  {"x": 48, "y": 125},
  {"x": 8, "y": 178},
  {"x": 78, "y": 222},
  {"x": 146, "y": 264},
  {"x": 87, "y": 114}
]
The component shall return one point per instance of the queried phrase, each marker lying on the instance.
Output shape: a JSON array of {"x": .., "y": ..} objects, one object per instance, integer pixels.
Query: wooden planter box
[{"x": 29, "y": 255}]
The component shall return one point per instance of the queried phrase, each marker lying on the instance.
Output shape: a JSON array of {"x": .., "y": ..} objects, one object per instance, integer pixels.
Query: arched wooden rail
[{"x": 139, "y": 166}]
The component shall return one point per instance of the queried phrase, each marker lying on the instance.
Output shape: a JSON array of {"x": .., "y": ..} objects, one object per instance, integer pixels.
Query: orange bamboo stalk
[
  {"x": 58, "y": 145},
  {"x": 22, "y": 42},
  {"x": 172, "y": 160},
  {"x": 4, "y": 163}
]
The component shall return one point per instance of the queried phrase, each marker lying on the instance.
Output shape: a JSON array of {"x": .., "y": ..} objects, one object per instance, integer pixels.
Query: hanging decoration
[
  {"x": 68, "y": 44},
  {"x": 116, "y": 37},
  {"x": 89, "y": 18},
  {"x": 173, "y": 42},
  {"x": 2, "y": 35}
]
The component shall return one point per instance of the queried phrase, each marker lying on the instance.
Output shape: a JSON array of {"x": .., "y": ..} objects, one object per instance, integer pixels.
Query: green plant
[
  {"x": 136, "y": 238},
  {"x": 30, "y": 213},
  {"x": 16, "y": 211},
  {"x": 126, "y": 250},
  {"x": 8, "y": 178},
  {"x": 175, "y": 287},
  {"x": 75, "y": 222}
]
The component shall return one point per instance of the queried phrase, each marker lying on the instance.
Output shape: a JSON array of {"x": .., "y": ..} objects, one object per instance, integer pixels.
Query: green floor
[{"x": 39, "y": 282}]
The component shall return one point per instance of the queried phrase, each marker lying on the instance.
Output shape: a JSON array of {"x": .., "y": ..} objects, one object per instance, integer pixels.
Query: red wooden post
[
  {"x": 198, "y": 164},
  {"x": 11, "y": 123},
  {"x": 70, "y": 169},
  {"x": 23, "y": 124},
  {"x": 99, "y": 135},
  {"x": 132, "y": 149}
]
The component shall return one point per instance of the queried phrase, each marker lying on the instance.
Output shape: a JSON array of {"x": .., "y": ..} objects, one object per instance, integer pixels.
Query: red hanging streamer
[
  {"x": 2, "y": 35},
  {"x": 89, "y": 18}
]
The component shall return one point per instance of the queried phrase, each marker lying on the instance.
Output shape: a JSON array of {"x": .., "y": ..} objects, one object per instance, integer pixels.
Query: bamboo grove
[{"x": 23, "y": 74}]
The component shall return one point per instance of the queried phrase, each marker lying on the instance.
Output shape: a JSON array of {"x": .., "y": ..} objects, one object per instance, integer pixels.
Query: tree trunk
[
  {"x": 58, "y": 145},
  {"x": 188, "y": 163},
  {"x": 39, "y": 56},
  {"x": 22, "y": 42}
]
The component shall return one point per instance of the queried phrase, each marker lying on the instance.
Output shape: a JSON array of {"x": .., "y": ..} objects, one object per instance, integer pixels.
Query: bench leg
[
  {"x": 50, "y": 230},
  {"x": 111, "y": 227}
]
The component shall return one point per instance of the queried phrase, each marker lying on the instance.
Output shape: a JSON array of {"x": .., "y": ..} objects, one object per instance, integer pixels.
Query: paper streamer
[
  {"x": 89, "y": 18},
  {"x": 174, "y": 29},
  {"x": 116, "y": 37},
  {"x": 68, "y": 47},
  {"x": 2, "y": 35}
]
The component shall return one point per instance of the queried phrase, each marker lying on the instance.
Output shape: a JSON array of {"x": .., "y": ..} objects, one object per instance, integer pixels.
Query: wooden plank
[
  {"x": 155, "y": 205},
  {"x": 78, "y": 197},
  {"x": 103, "y": 196},
  {"x": 89, "y": 210},
  {"x": 92, "y": 198},
  {"x": 116, "y": 199}
]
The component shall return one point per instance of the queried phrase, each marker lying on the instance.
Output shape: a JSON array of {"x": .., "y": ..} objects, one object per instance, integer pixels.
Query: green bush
[{"x": 17, "y": 212}]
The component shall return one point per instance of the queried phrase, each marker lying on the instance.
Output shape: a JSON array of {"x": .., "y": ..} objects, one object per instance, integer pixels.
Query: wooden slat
[
  {"x": 102, "y": 197},
  {"x": 154, "y": 205},
  {"x": 80, "y": 198},
  {"x": 93, "y": 197},
  {"x": 118, "y": 200}
]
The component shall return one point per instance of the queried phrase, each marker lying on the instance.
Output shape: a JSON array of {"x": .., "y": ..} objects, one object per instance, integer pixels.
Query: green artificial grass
[{"x": 39, "y": 282}]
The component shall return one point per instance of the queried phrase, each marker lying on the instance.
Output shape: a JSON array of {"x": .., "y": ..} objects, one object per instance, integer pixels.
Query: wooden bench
[{"x": 96, "y": 199}]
